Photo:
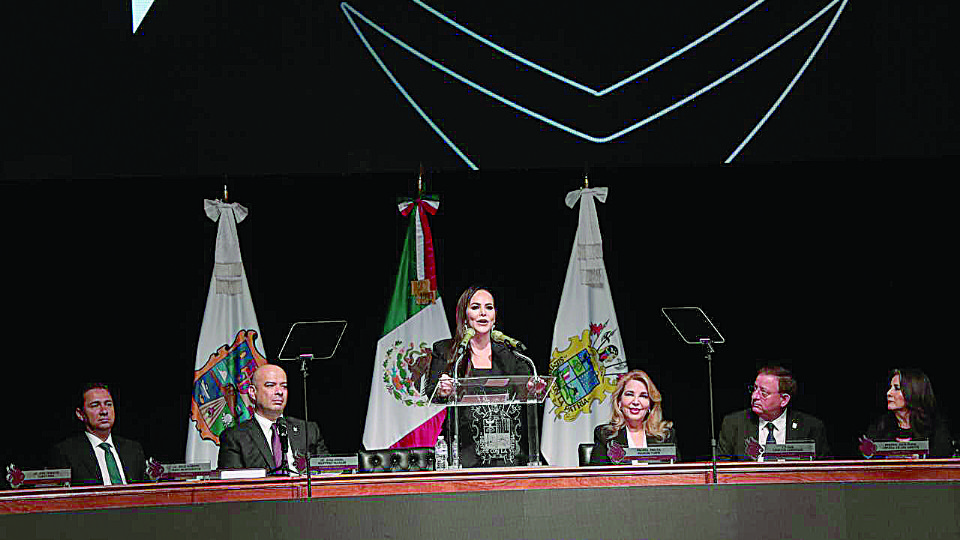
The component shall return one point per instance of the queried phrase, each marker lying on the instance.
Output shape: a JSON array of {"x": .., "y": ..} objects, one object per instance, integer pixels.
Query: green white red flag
[{"x": 399, "y": 413}]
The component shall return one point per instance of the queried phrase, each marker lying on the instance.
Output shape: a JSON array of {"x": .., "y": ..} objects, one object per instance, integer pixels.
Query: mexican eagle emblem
[{"x": 405, "y": 366}]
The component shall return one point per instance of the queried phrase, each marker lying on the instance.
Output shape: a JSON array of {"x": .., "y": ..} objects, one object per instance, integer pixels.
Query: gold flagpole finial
[{"x": 420, "y": 181}]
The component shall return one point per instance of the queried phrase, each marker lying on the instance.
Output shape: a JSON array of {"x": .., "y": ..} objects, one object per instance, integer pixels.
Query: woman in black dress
[
  {"x": 911, "y": 415},
  {"x": 489, "y": 435}
]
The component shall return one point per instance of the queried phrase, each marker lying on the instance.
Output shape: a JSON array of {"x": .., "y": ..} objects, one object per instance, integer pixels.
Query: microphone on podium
[{"x": 500, "y": 337}]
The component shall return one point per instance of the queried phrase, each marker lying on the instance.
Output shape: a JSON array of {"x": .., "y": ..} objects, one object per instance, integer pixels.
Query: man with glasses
[{"x": 768, "y": 420}]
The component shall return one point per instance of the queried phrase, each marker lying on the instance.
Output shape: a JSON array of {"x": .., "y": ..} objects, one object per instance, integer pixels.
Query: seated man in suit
[
  {"x": 96, "y": 456},
  {"x": 769, "y": 419},
  {"x": 269, "y": 440}
]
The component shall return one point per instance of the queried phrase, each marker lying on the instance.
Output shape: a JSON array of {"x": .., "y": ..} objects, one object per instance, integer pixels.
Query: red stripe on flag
[
  {"x": 429, "y": 264},
  {"x": 424, "y": 435}
]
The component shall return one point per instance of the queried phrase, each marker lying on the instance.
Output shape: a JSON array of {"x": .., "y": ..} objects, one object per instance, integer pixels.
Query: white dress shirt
[
  {"x": 642, "y": 444},
  {"x": 779, "y": 432},
  {"x": 266, "y": 425},
  {"x": 102, "y": 457}
]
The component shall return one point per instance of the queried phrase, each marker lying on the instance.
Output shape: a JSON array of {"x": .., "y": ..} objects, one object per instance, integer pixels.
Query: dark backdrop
[
  {"x": 246, "y": 88},
  {"x": 106, "y": 280},
  {"x": 826, "y": 245}
]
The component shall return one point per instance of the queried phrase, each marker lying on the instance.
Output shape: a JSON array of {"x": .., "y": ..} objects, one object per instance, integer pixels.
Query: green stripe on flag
[{"x": 402, "y": 304}]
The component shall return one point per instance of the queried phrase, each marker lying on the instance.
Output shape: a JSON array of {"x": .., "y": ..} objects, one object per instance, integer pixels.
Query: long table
[{"x": 807, "y": 500}]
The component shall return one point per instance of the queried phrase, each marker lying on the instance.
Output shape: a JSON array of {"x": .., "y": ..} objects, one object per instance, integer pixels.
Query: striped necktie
[{"x": 770, "y": 438}]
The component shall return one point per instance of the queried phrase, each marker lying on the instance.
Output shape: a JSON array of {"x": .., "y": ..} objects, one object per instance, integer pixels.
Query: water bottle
[
  {"x": 454, "y": 453},
  {"x": 440, "y": 454}
]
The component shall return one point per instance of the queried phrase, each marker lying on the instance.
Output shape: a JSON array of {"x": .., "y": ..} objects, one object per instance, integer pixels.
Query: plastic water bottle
[
  {"x": 454, "y": 454},
  {"x": 440, "y": 454}
]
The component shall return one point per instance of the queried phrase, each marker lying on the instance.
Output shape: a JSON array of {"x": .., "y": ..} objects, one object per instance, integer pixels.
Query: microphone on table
[
  {"x": 282, "y": 432},
  {"x": 283, "y": 468}
]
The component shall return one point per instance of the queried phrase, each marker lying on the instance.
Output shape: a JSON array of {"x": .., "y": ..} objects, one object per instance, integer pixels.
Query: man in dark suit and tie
[
  {"x": 269, "y": 440},
  {"x": 97, "y": 456},
  {"x": 769, "y": 420}
]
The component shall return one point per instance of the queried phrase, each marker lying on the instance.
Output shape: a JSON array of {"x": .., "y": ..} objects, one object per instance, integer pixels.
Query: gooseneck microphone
[
  {"x": 462, "y": 348},
  {"x": 500, "y": 337},
  {"x": 467, "y": 336}
]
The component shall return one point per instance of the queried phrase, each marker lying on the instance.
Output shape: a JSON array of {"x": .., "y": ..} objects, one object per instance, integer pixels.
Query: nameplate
[
  {"x": 347, "y": 463},
  {"x": 172, "y": 472},
  {"x": 905, "y": 449},
  {"x": 791, "y": 451},
  {"x": 41, "y": 478},
  {"x": 658, "y": 453},
  {"x": 240, "y": 474}
]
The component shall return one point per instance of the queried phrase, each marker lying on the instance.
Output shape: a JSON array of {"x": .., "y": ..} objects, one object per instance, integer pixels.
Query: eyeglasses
[{"x": 763, "y": 393}]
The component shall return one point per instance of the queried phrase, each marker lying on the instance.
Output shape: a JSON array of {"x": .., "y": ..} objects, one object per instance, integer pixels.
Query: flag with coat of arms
[
  {"x": 229, "y": 349},
  {"x": 399, "y": 413},
  {"x": 586, "y": 353}
]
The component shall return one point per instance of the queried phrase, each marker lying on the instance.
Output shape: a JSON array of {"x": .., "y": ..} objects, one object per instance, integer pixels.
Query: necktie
[
  {"x": 277, "y": 448},
  {"x": 112, "y": 468},
  {"x": 770, "y": 438}
]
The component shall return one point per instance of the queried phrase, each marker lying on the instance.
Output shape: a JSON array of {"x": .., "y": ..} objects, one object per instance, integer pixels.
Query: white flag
[
  {"x": 587, "y": 352},
  {"x": 399, "y": 413},
  {"x": 229, "y": 350}
]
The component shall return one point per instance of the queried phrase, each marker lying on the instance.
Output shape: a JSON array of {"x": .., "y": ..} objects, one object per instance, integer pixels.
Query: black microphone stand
[
  {"x": 304, "y": 360},
  {"x": 713, "y": 429}
]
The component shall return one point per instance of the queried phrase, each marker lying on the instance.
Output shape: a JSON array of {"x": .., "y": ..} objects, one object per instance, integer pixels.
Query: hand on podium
[
  {"x": 536, "y": 386},
  {"x": 445, "y": 385}
]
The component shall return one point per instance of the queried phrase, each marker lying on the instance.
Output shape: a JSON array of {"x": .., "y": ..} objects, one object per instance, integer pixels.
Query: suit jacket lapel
[
  {"x": 752, "y": 427},
  {"x": 90, "y": 458},
  {"x": 255, "y": 433},
  {"x": 297, "y": 435},
  {"x": 125, "y": 458},
  {"x": 793, "y": 434}
]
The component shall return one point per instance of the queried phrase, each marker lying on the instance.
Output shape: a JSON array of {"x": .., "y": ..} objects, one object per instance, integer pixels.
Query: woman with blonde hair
[{"x": 636, "y": 421}]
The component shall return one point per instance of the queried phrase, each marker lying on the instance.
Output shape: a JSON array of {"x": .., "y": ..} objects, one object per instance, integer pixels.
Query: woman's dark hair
[
  {"x": 462, "y": 303},
  {"x": 920, "y": 401}
]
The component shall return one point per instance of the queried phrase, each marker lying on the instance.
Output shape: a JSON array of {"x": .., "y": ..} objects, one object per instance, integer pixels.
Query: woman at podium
[
  {"x": 912, "y": 414},
  {"x": 489, "y": 435},
  {"x": 636, "y": 421}
]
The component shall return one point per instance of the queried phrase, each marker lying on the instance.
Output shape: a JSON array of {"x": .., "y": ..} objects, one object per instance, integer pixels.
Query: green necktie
[{"x": 112, "y": 468}]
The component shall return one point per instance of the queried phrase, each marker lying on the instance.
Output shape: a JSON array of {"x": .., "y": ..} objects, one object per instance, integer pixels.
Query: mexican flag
[
  {"x": 229, "y": 350},
  {"x": 399, "y": 414},
  {"x": 587, "y": 353}
]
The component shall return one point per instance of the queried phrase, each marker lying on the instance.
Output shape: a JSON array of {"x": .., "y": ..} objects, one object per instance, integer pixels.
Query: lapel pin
[
  {"x": 297, "y": 430},
  {"x": 794, "y": 426}
]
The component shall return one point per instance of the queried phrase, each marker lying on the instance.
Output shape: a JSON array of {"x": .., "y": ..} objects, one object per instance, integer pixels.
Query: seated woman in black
[
  {"x": 636, "y": 422},
  {"x": 490, "y": 435},
  {"x": 912, "y": 414}
]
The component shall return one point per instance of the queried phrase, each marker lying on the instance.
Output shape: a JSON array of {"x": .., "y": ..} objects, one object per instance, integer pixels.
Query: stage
[{"x": 833, "y": 499}]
